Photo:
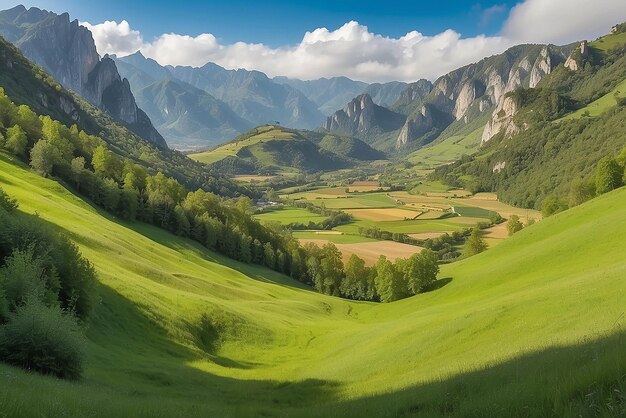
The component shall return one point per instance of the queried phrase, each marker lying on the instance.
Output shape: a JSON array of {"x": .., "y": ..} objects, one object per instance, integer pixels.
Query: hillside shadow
[
  {"x": 438, "y": 284},
  {"x": 583, "y": 380},
  {"x": 128, "y": 347}
]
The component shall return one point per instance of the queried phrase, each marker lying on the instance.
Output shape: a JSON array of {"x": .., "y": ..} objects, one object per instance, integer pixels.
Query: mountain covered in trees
[
  {"x": 68, "y": 53},
  {"x": 271, "y": 149},
  {"x": 551, "y": 137}
]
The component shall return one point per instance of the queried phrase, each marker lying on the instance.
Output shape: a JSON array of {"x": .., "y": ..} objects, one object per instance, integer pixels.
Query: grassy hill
[
  {"x": 534, "y": 327},
  {"x": 272, "y": 148}
]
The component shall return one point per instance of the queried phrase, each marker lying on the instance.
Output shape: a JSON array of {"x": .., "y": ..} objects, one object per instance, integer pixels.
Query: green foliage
[
  {"x": 475, "y": 244},
  {"x": 391, "y": 284},
  {"x": 357, "y": 284},
  {"x": 552, "y": 205},
  {"x": 6, "y": 202},
  {"x": 609, "y": 175},
  {"x": 514, "y": 225},
  {"x": 16, "y": 140},
  {"x": 43, "y": 339},
  {"x": 421, "y": 270},
  {"x": 43, "y": 157},
  {"x": 580, "y": 192},
  {"x": 26, "y": 276}
]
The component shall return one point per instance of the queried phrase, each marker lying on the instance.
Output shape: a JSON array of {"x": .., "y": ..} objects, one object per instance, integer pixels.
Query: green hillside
[
  {"x": 273, "y": 148},
  {"x": 535, "y": 325}
]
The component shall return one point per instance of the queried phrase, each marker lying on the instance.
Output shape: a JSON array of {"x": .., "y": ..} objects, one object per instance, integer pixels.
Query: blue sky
[
  {"x": 374, "y": 41},
  {"x": 279, "y": 22}
]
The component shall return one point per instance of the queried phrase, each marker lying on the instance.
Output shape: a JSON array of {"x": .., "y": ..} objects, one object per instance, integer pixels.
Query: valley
[{"x": 191, "y": 227}]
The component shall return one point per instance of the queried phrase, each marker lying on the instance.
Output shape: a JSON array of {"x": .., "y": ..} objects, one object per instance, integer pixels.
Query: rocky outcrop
[
  {"x": 466, "y": 94},
  {"x": 363, "y": 118},
  {"x": 68, "y": 52},
  {"x": 541, "y": 68},
  {"x": 502, "y": 120},
  {"x": 577, "y": 56}
]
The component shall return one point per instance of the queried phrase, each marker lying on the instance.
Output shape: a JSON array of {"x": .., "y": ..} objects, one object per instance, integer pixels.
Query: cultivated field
[
  {"x": 371, "y": 251},
  {"x": 382, "y": 214}
]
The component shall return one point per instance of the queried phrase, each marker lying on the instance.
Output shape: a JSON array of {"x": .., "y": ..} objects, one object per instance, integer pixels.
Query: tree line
[{"x": 224, "y": 225}]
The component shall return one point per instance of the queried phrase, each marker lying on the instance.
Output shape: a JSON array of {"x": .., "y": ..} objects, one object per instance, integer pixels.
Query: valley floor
[{"x": 535, "y": 326}]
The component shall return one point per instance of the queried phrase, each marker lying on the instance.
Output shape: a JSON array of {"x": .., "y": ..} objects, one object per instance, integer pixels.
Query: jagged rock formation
[
  {"x": 363, "y": 118},
  {"x": 502, "y": 120},
  {"x": 576, "y": 57},
  {"x": 68, "y": 52}
]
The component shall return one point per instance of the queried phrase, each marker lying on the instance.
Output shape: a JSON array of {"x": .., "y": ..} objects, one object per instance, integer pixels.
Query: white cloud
[
  {"x": 563, "y": 21},
  {"x": 353, "y": 51},
  {"x": 115, "y": 38}
]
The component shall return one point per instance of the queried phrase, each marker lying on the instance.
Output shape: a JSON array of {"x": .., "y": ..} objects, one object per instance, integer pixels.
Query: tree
[
  {"x": 332, "y": 269},
  {"x": 105, "y": 164},
  {"x": 580, "y": 192},
  {"x": 43, "y": 157},
  {"x": 16, "y": 140},
  {"x": 270, "y": 255},
  {"x": 355, "y": 284},
  {"x": 110, "y": 195},
  {"x": 77, "y": 166},
  {"x": 129, "y": 203},
  {"x": 514, "y": 225},
  {"x": 390, "y": 283},
  {"x": 475, "y": 244},
  {"x": 29, "y": 122},
  {"x": 421, "y": 270},
  {"x": 272, "y": 196},
  {"x": 246, "y": 248},
  {"x": 552, "y": 205},
  {"x": 609, "y": 175}
]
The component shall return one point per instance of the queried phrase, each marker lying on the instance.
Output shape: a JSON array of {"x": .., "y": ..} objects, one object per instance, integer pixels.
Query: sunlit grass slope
[{"x": 533, "y": 327}]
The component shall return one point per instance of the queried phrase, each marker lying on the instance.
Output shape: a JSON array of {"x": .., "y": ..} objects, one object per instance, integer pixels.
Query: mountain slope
[
  {"x": 187, "y": 116},
  {"x": 28, "y": 84},
  {"x": 188, "y": 332},
  {"x": 542, "y": 147},
  {"x": 67, "y": 51},
  {"x": 272, "y": 148},
  {"x": 364, "y": 119}
]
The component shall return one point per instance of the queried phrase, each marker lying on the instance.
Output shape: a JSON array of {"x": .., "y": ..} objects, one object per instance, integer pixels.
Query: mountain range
[{"x": 68, "y": 52}]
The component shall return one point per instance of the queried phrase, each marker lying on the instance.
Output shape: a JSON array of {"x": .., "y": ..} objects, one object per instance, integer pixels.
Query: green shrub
[
  {"x": 26, "y": 276},
  {"x": 6, "y": 202},
  {"x": 43, "y": 339}
]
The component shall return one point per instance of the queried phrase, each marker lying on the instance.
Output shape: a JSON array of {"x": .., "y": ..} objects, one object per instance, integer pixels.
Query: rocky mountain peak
[{"x": 68, "y": 52}]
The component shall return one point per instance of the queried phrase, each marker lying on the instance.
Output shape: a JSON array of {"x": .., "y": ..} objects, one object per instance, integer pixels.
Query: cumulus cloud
[
  {"x": 115, "y": 38},
  {"x": 562, "y": 21},
  {"x": 353, "y": 51}
]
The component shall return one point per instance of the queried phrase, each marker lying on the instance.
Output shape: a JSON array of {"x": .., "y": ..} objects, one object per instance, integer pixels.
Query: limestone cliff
[{"x": 67, "y": 51}]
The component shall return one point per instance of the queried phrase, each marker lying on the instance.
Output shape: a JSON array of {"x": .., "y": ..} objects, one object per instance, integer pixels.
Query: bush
[
  {"x": 43, "y": 339},
  {"x": 6, "y": 202}
]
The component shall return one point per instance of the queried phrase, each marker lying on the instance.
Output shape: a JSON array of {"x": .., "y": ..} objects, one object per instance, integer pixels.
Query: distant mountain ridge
[
  {"x": 68, "y": 52},
  {"x": 457, "y": 98}
]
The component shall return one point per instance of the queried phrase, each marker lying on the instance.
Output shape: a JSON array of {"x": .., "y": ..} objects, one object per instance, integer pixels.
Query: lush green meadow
[
  {"x": 532, "y": 327},
  {"x": 289, "y": 215}
]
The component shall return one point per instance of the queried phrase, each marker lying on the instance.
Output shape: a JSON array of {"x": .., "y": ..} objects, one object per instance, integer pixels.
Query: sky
[{"x": 373, "y": 41}]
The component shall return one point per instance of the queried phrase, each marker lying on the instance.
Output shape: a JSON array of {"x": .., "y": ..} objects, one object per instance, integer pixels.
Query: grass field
[
  {"x": 533, "y": 327},
  {"x": 290, "y": 215},
  {"x": 232, "y": 148},
  {"x": 448, "y": 150},
  {"x": 597, "y": 107}
]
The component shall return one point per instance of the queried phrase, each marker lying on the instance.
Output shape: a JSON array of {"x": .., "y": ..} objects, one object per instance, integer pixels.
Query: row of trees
[
  {"x": 386, "y": 281},
  {"x": 45, "y": 291},
  {"x": 224, "y": 225}
]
